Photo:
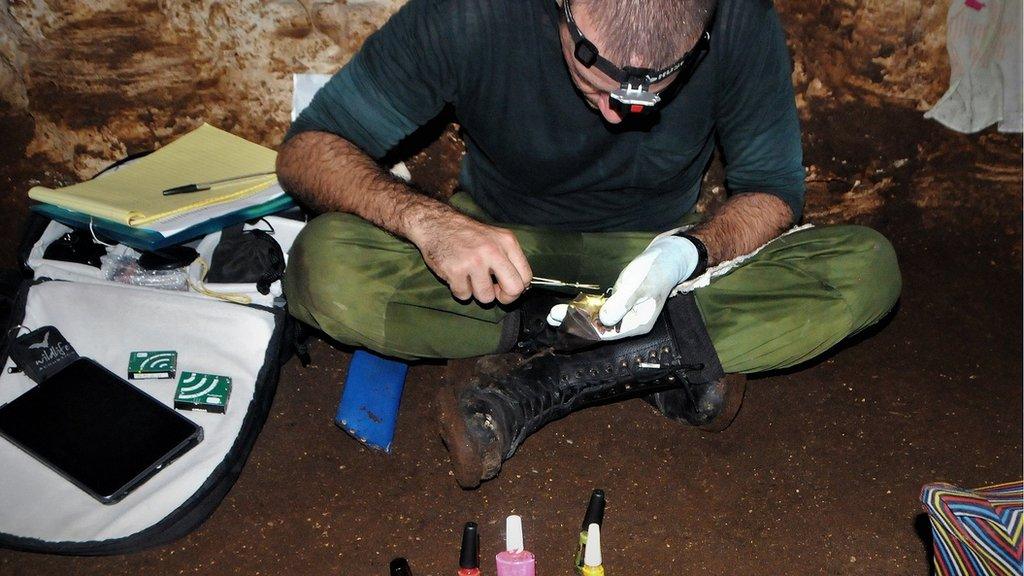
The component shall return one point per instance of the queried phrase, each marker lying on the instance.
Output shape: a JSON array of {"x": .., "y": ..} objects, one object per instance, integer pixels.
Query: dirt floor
[{"x": 820, "y": 474}]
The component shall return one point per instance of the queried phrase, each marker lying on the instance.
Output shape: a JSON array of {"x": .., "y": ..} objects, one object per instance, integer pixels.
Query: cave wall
[
  {"x": 84, "y": 82},
  {"x": 100, "y": 78},
  {"x": 881, "y": 52}
]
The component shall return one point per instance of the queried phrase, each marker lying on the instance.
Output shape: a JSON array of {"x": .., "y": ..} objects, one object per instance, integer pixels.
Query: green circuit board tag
[
  {"x": 198, "y": 391},
  {"x": 152, "y": 364}
]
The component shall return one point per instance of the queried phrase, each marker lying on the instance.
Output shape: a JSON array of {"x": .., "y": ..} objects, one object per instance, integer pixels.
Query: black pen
[{"x": 198, "y": 187}]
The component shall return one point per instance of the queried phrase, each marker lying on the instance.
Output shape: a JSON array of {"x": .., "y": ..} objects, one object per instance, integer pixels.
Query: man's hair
[{"x": 654, "y": 33}]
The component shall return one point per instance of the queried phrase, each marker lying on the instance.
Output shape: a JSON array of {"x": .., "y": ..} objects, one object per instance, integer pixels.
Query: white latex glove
[{"x": 642, "y": 288}]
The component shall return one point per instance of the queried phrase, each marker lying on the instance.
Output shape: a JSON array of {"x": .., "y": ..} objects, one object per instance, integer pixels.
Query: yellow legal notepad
[{"x": 133, "y": 195}]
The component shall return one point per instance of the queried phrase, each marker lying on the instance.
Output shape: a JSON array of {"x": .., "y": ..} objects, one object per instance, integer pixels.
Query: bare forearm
[
  {"x": 742, "y": 224},
  {"x": 476, "y": 260},
  {"x": 330, "y": 174}
]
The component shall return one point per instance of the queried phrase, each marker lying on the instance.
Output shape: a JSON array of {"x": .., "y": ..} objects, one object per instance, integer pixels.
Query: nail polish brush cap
[
  {"x": 399, "y": 567},
  {"x": 595, "y": 509},
  {"x": 592, "y": 557},
  {"x": 470, "y": 556},
  {"x": 514, "y": 534}
]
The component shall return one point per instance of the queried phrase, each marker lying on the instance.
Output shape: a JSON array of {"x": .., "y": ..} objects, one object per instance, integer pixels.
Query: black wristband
[{"x": 702, "y": 254}]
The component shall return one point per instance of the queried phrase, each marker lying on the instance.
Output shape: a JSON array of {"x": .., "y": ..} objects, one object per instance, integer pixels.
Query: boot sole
[
  {"x": 735, "y": 389},
  {"x": 464, "y": 452}
]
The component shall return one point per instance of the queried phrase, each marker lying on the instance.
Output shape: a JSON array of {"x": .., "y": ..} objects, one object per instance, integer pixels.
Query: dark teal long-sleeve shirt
[{"x": 536, "y": 153}]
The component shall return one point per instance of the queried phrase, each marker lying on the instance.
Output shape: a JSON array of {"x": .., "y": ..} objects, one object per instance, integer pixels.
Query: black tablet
[{"x": 97, "y": 430}]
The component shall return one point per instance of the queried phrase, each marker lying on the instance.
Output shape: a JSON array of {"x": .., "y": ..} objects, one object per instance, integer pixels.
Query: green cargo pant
[{"x": 796, "y": 298}]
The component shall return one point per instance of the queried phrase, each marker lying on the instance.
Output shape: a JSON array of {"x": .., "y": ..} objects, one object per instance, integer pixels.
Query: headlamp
[{"x": 634, "y": 95}]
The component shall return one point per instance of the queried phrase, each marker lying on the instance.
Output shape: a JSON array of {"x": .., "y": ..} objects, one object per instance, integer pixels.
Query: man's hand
[
  {"x": 643, "y": 287},
  {"x": 475, "y": 260}
]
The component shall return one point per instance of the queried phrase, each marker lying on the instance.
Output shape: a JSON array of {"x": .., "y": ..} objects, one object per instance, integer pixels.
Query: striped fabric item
[{"x": 976, "y": 532}]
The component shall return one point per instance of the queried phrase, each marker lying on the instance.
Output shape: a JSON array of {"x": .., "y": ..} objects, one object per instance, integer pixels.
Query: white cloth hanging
[{"x": 985, "y": 54}]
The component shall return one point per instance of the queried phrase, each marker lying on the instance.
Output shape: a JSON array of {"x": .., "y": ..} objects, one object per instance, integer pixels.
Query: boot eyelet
[
  {"x": 671, "y": 378},
  {"x": 624, "y": 364},
  {"x": 629, "y": 387},
  {"x": 666, "y": 350}
]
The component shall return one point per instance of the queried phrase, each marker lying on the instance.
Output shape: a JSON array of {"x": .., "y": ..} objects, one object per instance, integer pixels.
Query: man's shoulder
[
  {"x": 745, "y": 6},
  {"x": 470, "y": 35},
  {"x": 739, "y": 15},
  {"x": 469, "y": 16},
  {"x": 741, "y": 24}
]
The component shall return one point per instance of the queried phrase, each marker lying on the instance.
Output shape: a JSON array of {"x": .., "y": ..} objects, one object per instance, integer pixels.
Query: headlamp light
[{"x": 634, "y": 96}]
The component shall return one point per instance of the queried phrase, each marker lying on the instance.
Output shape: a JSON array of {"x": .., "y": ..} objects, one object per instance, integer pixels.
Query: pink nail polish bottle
[{"x": 515, "y": 560}]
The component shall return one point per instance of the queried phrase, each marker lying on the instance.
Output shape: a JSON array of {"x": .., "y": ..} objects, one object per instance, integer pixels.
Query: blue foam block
[{"x": 369, "y": 404}]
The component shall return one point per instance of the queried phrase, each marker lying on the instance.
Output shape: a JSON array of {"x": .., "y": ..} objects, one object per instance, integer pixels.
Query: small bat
[{"x": 45, "y": 343}]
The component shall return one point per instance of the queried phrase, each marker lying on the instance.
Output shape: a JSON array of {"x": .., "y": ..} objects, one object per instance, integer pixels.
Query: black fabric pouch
[{"x": 246, "y": 256}]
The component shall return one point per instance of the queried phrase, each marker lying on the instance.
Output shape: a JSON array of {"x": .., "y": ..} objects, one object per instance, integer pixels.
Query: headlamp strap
[
  {"x": 587, "y": 54},
  {"x": 635, "y": 83},
  {"x": 636, "y": 78}
]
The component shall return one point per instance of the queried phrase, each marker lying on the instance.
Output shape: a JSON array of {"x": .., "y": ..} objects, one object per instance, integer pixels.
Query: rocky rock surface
[
  {"x": 100, "y": 78},
  {"x": 85, "y": 82},
  {"x": 850, "y": 438}
]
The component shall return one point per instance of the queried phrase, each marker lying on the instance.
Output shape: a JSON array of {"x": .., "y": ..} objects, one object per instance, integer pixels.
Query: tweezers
[{"x": 537, "y": 281}]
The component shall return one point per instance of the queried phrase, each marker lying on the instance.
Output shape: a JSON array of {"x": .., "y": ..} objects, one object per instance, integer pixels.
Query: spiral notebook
[
  {"x": 174, "y": 230},
  {"x": 133, "y": 196}
]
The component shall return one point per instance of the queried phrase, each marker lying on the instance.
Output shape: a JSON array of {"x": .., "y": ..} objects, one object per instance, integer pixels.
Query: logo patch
[{"x": 42, "y": 353}]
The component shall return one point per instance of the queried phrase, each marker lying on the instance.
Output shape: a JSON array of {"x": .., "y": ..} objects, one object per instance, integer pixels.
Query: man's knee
[
  {"x": 867, "y": 275},
  {"x": 316, "y": 261},
  {"x": 330, "y": 281}
]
